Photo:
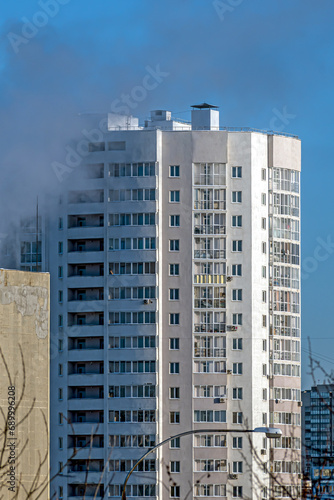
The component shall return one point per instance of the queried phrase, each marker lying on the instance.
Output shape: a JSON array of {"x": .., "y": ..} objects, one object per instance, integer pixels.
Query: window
[
  {"x": 264, "y": 394},
  {"x": 60, "y": 320},
  {"x": 174, "y": 393},
  {"x": 60, "y": 223},
  {"x": 209, "y": 416},
  {"x": 237, "y": 319},
  {"x": 60, "y": 418},
  {"x": 236, "y": 196},
  {"x": 264, "y": 296},
  {"x": 237, "y": 443},
  {"x": 264, "y": 345},
  {"x": 264, "y": 247},
  {"x": 237, "y": 417},
  {"x": 264, "y": 321},
  {"x": 174, "y": 344},
  {"x": 237, "y": 246},
  {"x": 237, "y": 294},
  {"x": 237, "y": 467},
  {"x": 61, "y": 492},
  {"x": 175, "y": 466},
  {"x": 174, "y": 368},
  {"x": 263, "y": 174},
  {"x": 264, "y": 272},
  {"x": 236, "y": 220},
  {"x": 237, "y": 368},
  {"x": 60, "y": 369},
  {"x": 60, "y": 443},
  {"x": 60, "y": 271},
  {"x": 174, "y": 269},
  {"x": 237, "y": 492},
  {"x": 174, "y": 171},
  {"x": 263, "y": 199},
  {"x": 175, "y": 491},
  {"x": 174, "y": 245},
  {"x": 174, "y": 221},
  {"x": 237, "y": 393},
  {"x": 236, "y": 270},
  {"x": 236, "y": 172},
  {"x": 174, "y": 196},
  {"x": 264, "y": 418},
  {"x": 174, "y": 318},
  {"x": 60, "y": 393},
  {"x": 60, "y": 247},
  {"x": 60, "y": 296},
  {"x": 174, "y": 417},
  {"x": 60, "y": 345},
  {"x": 264, "y": 370},
  {"x": 264, "y": 223},
  {"x": 237, "y": 344},
  {"x": 174, "y": 293},
  {"x": 175, "y": 443}
]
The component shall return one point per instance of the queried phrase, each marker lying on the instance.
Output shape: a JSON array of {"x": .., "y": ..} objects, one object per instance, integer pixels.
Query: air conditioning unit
[
  {"x": 229, "y": 372},
  {"x": 232, "y": 328},
  {"x": 147, "y": 301},
  {"x": 229, "y": 278},
  {"x": 233, "y": 476},
  {"x": 263, "y": 451},
  {"x": 300, "y": 403}
]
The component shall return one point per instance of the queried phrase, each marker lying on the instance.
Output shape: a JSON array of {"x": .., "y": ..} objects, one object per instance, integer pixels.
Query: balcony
[
  {"x": 209, "y": 279},
  {"x": 83, "y": 355},
  {"x": 209, "y": 254},
  {"x": 208, "y": 352},
  {"x": 85, "y": 404},
  {"x": 210, "y": 303},
  {"x": 209, "y": 328},
  {"x": 210, "y": 205},
  {"x": 86, "y": 379},
  {"x": 209, "y": 229}
]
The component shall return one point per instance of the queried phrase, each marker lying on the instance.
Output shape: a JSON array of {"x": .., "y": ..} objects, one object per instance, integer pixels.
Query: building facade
[
  {"x": 318, "y": 440},
  {"x": 24, "y": 388},
  {"x": 175, "y": 259}
]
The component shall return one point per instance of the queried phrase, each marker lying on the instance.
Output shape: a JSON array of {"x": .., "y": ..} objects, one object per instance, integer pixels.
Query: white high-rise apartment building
[{"x": 175, "y": 260}]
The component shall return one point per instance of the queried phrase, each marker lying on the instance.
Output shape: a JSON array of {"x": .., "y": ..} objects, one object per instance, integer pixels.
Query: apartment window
[
  {"x": 237, "y": 344},
  {"x": 236, "y": 270},
  {"x": 237, "y": 294},
  {"x": 174, "y": 318},
  {"x": 174, "y": 221},
  {"x": 237, "y": 492},
  {"x": 236, "y": 196},
  {"x": 174, "y": 417},
  {"x": 263, "y": 174},
  {"x": 264, "y": 223},
  {"x": 60, "y": 296},
  {"x": 237, "y": 393},
  {"x": 174, "y": 269},
  {"x": 60, "y": 223},
  {"x": 61, "y": 492},
  {"x": 237, "y": 467},
  {"x": 60, "y": 345},
  {"x": 174, "y": 245},
  {"x": 60, "y": 271},
  {"x": 60, "y": 443},
  {"x": 264, "y": 321},
  {"x": 174, "y": 368},
  {"x": 174, "y": 344},
  {"x": 60, "y": 247},
  {"x": 237, "y": 443},
  {"x": 210, "y": 416},
  {"x": 174, "y": 393},
  {"x": 237, "y": 319},
  {"x": 264, "y": 418},
  {"x": 263, "y": 199},
  {"x": 175, "y": 491},
  {"x": 264, "y": 370},
  {"x": 237, "y": 417},
  {"x": 175, "y": 443},
  {"x": 60, "y": 321},
  {"x": 236, "y": 172},
  {"x": 175, "y": 466},
  {"x": 237, "y": 246},
  {"x": 264, "y": 247},
  {"x": 236, "y": 220},
  {"x": 60, "y": 369},
  {"x": 60, "y": 393},
  {"x": 264, "y": 394},
  {"x": 174, "y": 171},
  {"x": 60, "y": 418},
  {"x": 237, "y": 368},
  {"x": 264, "y": 272},
  {"x": 174, "y": 294},
  {"x": 264, "y": 345},
  {"x": 174, "y": 196},
  {"x": 264, "y": 296}
]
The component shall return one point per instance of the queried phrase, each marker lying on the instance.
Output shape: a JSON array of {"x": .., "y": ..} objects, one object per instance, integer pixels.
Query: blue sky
[{"x": 253, "y": 58}]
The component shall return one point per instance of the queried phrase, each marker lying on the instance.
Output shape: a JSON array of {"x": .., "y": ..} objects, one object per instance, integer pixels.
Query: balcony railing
[
  {"x": 209, "y": 229},
  {"x": 209, "y": 254},
  {"x": 210, "y": 328}
]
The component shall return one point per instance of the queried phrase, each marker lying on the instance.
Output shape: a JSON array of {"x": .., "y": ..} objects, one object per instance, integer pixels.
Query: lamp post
[{"x": 270, "y": 432}]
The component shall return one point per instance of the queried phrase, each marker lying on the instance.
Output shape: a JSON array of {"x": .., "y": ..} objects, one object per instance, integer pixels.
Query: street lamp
[{"x": 270, "y": 432}]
